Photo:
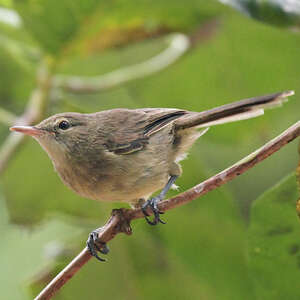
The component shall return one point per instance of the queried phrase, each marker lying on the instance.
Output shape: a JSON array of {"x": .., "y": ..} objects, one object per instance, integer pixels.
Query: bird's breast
[{"x": 121, "y": 178}]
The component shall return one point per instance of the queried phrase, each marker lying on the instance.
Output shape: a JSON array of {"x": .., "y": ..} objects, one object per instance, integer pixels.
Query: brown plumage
[{"x": 126, "y": 155}]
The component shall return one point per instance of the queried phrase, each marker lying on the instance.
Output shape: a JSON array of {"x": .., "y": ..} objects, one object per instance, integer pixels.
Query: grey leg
[
  {"x": 93, "y": 246},
  {"x": 152, "y": 203}
]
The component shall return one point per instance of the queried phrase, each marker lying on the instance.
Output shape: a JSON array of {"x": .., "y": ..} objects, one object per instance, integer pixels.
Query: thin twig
[
  {"x": 120, "y": 219},
  {"x": 179, "y": 44}
]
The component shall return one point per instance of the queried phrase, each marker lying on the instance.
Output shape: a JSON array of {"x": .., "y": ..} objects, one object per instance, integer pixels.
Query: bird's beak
[{"x": 28, "y": 130}]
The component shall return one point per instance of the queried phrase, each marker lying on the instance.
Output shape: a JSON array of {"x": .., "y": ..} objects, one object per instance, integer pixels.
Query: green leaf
[
  {"x": 277, "y": 12},
  {"x": 274, "y": 243},
  {"x": 54, "y": 23},
  {"x": 92, "y": 25},
  {"x": 23, "y": 253},
  {"x": 208, "y": 235},
  {"x": 6, "y": 3}
]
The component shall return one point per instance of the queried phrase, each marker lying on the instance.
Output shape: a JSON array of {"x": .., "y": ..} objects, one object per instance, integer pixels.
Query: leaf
[
  {"x": 274, "y": 243},
  {"x": 208, "y": 235},
  {"x": 54, "y": 23},
  {"x": 92, "y": 25},
  {"x": 6, "y": 3},
  {"x": 277, "y": 12},
  {"x": 23, "y": 253}
]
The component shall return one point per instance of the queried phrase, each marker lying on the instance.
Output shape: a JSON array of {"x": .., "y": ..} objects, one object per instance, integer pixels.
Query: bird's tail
[{"x": 240, "y": 110}]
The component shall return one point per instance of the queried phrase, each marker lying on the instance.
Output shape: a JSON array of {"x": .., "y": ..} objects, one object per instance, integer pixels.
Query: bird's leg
[
  {"x": 152, "y": 203},
  {"x": 94, "y": 245}
]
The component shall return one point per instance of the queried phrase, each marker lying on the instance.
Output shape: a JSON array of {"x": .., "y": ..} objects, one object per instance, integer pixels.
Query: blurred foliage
[
  {"x": 86, "y": 24},
  {"x": 154, "y": 260},
  {"x": 285, "y": 13},
  {"x": 204, "y": 245},
  {"x": 24, "y": 252},
  {"x": 274, "y": 245}
]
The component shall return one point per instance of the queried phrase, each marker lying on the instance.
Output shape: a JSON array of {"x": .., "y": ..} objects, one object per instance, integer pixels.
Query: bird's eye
[{"x": 64, "y": 125}]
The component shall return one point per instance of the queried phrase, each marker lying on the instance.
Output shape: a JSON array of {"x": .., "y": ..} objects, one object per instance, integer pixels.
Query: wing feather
[{"x": 143, "y": 123}]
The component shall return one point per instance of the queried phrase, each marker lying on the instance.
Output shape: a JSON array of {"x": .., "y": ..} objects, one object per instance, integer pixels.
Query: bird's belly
[
  {"x": 119, "y": 186},
  {"x": 126, "y": 189}
]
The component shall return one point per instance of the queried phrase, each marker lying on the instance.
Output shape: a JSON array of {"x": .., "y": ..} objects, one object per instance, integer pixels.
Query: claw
[
  {"x": 92, "y": 244},
  {"x": 152, "y": 203}
]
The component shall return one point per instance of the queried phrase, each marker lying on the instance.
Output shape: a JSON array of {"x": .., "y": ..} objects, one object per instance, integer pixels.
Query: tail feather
[{"x": 240, "y": 110}]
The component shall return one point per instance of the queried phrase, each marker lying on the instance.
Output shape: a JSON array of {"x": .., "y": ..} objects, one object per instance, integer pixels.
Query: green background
[{"x": 224, "y": 245}]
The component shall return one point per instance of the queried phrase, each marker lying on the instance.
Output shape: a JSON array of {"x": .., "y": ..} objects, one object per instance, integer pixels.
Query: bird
[{"x": 125, "y": 155}]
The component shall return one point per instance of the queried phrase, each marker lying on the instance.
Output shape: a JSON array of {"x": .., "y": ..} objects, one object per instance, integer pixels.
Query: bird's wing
[
  {"x": 158, "y": 118},
  {"x": 129, "y": 130}
]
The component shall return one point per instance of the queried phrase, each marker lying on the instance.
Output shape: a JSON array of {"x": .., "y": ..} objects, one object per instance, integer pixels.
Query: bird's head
[{"x": 62, "y": 135}]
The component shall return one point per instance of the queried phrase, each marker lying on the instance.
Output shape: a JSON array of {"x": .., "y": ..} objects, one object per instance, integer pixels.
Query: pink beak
[{"x": 28, "y": 130}]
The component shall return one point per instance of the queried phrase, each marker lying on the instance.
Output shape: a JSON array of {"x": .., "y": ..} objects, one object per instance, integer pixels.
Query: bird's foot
[
  {"x": 94, "y": 245},
  {"x": 152, "y": 204}
]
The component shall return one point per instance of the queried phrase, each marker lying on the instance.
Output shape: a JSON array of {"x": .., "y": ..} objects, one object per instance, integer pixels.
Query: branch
[
  {"x": 121, "y": 218},
  {"x": 34, "y": 111},
  {"x": 179, "y": 44}
]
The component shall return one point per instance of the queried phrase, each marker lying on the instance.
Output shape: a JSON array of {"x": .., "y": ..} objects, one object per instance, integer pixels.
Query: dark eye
[{"x": 64, "y": 125}]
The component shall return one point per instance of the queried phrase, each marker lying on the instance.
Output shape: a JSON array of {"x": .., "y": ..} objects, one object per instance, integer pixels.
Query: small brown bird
[{"x": 126, "y": 155}]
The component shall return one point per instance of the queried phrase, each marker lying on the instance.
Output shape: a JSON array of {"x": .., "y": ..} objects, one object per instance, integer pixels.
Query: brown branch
[{"x": 121, "y": 218}]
